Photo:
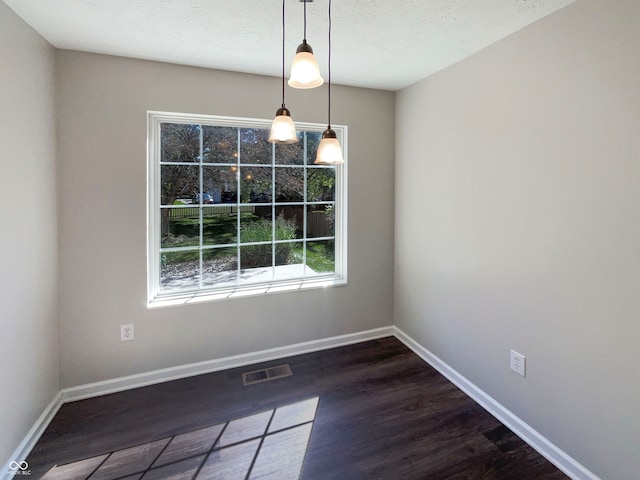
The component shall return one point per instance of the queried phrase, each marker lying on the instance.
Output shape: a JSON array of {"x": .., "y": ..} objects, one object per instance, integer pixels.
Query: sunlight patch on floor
[{"x": 269, "y": 445}]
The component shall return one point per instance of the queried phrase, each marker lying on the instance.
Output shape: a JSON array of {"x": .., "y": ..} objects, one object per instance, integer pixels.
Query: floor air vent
[{"x": 266, "y": 374}]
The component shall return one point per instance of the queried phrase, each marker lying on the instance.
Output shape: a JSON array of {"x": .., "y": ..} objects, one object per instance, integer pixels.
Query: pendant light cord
[
  {"x": 283, "y": 53},
  {"x": 304, "y": 35},
  {"x": 329, "y": 85}
]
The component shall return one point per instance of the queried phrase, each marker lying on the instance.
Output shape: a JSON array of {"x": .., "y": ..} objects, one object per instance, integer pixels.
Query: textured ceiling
[{"x": 384, "y": 44}]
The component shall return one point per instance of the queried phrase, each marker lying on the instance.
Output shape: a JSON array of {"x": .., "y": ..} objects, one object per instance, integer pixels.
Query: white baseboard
[
  {"x": 183, "y": 371},
  {"x": 555, "y": 455},
  {"x": 32, "y": 437},
  {"x": 551, "y": 452},
  {"x": 166, "y": 374}
]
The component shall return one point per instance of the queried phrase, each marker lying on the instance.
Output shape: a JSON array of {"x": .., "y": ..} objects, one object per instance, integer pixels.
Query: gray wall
[
  {"x": 517, "y": 226},
  {"x": 28, "y": 232},
  {"x": 102, "y": 105}
]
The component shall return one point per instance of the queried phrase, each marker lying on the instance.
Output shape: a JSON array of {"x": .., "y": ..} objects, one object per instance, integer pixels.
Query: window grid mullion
[
  {"x": 304, "y": 206},
  {"x": 238, "y": 217},
  {"x": 157, "y": 188},
  {"x": 273, "y": 211},
  {"x": 201, "y": 198},
  {"x": 162, "y": 285}
]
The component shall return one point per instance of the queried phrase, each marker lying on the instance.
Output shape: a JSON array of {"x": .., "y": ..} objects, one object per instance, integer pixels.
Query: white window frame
[{"x": 156, "y": 298}]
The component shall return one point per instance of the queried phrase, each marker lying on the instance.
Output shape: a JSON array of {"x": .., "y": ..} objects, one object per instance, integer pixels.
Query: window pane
[
  {"x": 254, "y": 146},
  {"x": 297, "y": 252},
  {"x": 320, "y": 257},
  {"x": 220, "y": 267},
  {"x": 254, "y": 256},
  {"x": 291, "y": 154},
  {"x": 219, "y": 225},
  {"x": 313, "y": 140},
  {"x": 180, "y": 227},
  {"x": 320, "y": 221},
  {"x": 289, "y": 260},
  {"x": 255, "y": 229},
  {"x": 255, "y": 185},
  {"x": 179, "y": 184},
  {"x": 179, "y": 270},
  {"x": 220, "y": 184},
  {"x": 289, "y": 184},
  {"x": 240, "y": 210},
  {"x": 180, "y": 143},
  {"x": 285, "y": 253},
  {"x": 219, "y": 144},
  {"x": 294, "y": 216},
  {"x": 321, "y": 184}
]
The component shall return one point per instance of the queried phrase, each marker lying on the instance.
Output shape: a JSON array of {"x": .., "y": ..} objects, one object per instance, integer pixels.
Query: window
[{"x": 230, "y": 212}]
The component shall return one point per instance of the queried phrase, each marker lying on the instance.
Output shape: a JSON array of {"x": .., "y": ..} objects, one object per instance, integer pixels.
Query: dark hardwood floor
[{"x": 373, "y": 410}]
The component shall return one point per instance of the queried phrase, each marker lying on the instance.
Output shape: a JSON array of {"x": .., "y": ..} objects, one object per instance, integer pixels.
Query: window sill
[{"x": 244, "y": 291}]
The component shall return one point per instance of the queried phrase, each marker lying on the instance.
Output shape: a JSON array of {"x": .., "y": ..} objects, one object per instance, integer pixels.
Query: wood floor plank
[
  {"x": 181, "y": 470},
  {"x": 294, "y": 414},
  {"x": 230, "y": 463},
  {"x": 281, "y": 456},
  {"x": 129, "y": 460},
  {"x": 245, "y": 428},
  {"x": 189, "y": 444},
  {"x": 381, "y": 413},
  {"x": 75, "y": 471}
]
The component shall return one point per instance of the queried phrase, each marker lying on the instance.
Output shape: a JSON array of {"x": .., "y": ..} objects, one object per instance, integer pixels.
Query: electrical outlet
[
  {"x": 517, "y": 362},
  {"x": 126, "y": 332}
]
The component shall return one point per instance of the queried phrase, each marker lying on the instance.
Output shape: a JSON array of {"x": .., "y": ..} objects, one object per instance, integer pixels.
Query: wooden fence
[
  {"x": 318, "y": 223},
  {"x": 187, "y": 212}
]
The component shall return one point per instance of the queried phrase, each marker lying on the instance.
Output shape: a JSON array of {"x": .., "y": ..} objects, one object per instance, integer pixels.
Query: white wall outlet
[
  {"x": 126, "y": 332},
  {"x": 517, "y": 362}
]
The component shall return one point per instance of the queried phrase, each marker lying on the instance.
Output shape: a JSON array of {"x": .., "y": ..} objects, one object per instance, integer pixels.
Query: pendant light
[
  {"x": 283, "y": 130},
  {"x": 329, "y": 150},
  {"x": 305, "y": 72}
]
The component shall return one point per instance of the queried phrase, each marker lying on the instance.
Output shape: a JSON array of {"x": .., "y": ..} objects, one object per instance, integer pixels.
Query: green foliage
[
  {"x": 179, "y": 257},
  {"x": 256, "y": 231},
  {"x": 321, "y": 184},
  {"x": 320, "y": 256},
  {"x": 221, "y": 229},
  {"x": 236, "y": 147},
  {"x": 261, "y": 231},
  {"x": 255, "y": 181},
  {"x": 313, "y": 140},
  {"x": 217, "y": 229}
]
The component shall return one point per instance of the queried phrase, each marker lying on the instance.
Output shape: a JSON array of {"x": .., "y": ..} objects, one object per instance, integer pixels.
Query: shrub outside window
[{"x": 230, "y": 212}]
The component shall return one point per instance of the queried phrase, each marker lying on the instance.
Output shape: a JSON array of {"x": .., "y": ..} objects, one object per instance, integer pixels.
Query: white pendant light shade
[
  {"x": 329, "y": 150},
  {"x": 305, "y": 72},
  {"x": 283, "y": 131}
]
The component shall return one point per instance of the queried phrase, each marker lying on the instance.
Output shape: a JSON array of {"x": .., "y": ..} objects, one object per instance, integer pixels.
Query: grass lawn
[{"x": 222, "y": 229}]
